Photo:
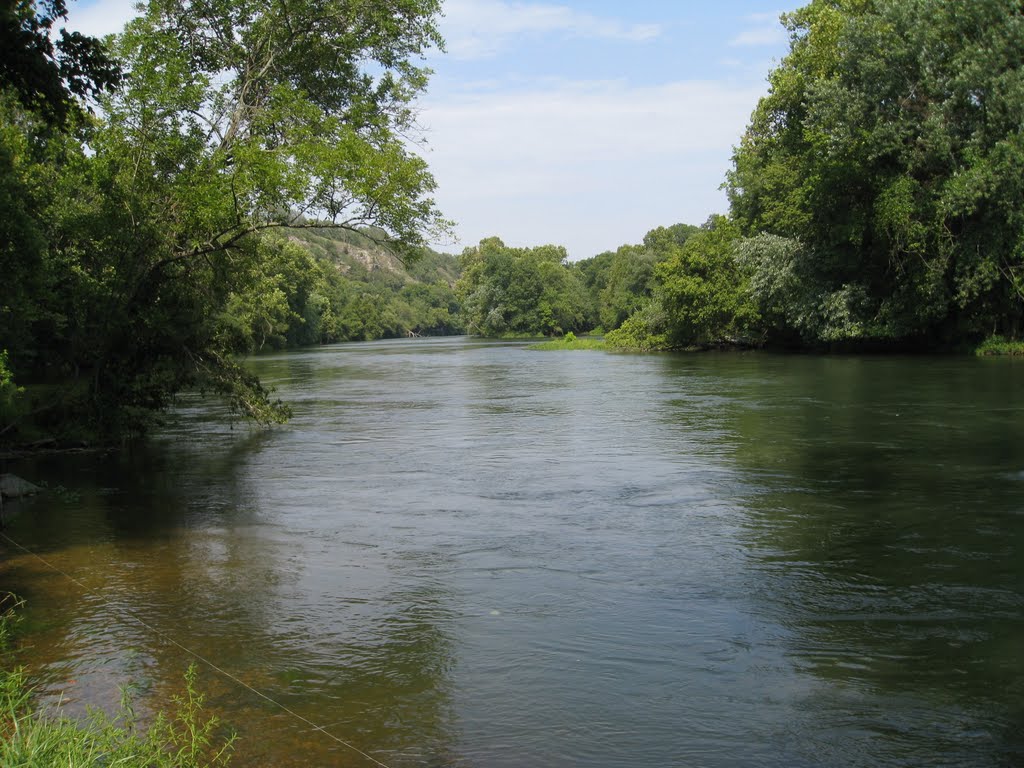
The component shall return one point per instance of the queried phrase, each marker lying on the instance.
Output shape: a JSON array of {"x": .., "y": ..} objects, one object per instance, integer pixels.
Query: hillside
[
  {"x": 356, "y": 255},
  {"x": 375, "y": 294}
]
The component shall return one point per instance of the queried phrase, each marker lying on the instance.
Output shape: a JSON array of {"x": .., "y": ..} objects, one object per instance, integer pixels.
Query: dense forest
[
  {"x": 337, "y": 285},
  {"x": 178, "y": 196}
]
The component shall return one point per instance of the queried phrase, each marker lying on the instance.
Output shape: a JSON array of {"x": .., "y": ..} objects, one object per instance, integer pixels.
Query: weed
[{"x": 30, "y": 737}]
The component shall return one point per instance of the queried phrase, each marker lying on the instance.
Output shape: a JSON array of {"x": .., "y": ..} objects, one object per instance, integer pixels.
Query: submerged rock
[{"x": 13, "y": 487}]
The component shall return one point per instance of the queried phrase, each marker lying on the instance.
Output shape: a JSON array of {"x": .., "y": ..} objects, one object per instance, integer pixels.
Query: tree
[
  {"x": 50, "y": 75},
  {"x": 703, "y": 290},
  {"x": 628, "y": 284},
  {"x": 622, "y": 281},
  {"x": 235, "y": 118},
  {"x": 246, "y": 115},
  {"x": 700, "y": 296},
  {"x": 660, "y": 240},
  {"x": 277, "y": 300},
  {"x": 527, "y": 291},
  {"x": 890, "y": 150}
]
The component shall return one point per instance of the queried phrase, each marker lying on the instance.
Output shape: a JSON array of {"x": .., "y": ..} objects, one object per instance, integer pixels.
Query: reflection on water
[
  {"x": 471, "y": 554},
  {"x": 888, "y": 526}
]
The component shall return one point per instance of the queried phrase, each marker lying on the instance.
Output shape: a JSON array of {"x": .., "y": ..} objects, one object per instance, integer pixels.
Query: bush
[
  {"x": 995, "y": 346},
  {"x": 645, "y": 330}
]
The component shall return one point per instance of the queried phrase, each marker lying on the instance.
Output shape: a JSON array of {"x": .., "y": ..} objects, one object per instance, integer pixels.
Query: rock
[{"x": 13, "y": 487}]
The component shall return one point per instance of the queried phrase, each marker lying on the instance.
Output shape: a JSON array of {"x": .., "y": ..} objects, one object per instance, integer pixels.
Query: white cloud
[
  {"x": 102, "y": 17},
  {"x": 762, "y": 29},
  {"x": 587, "y": 165},
  {"x": 482, "y": 28}
]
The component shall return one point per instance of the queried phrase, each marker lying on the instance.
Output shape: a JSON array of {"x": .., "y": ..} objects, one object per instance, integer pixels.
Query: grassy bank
[
  {"x": 997, "y": 346},
  {"x": 185, "y": 738},
  {"x": 570, "y": 341}
]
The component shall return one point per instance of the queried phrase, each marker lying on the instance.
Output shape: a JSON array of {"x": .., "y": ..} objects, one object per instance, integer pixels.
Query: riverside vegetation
[
  {"x": 875, "y": 203},
  {"x": 570, "y": 341},
  {"x": 184, "y": 738},
  {"x": 231, "y": 194}
]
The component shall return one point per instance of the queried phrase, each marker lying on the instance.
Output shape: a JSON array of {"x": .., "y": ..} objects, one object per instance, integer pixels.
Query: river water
[{"x": 463, "y": 553}]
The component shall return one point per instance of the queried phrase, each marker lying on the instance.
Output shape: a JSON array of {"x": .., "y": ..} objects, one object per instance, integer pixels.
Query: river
[{"x": 467, "y": 553}]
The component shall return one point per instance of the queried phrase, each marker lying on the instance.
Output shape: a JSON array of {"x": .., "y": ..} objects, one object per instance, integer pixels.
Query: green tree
[
  {"x": 628, "y": 284},
  {"x": 622, "y": 281},
  {"x": 433, "y": 308},
  {"x": 508, "y": 291},
  {"x": 701, "y": 295},
  {"x": 703, "y": 289},
  {"x": 50, "y": 72},
  {"x": 890, "y": 150},
  {"x": 235, "y": 118},
  {"x": 278, "y": 299},
  {"x": 661, "y": 240},
  {"x": 593, "y": 274}
]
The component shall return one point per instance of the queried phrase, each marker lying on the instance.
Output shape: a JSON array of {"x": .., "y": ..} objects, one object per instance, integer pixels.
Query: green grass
[
  {"x": 995, "y": 346},
  {"x": 30, "y": 737},
  {"x": 511, "y": 336},
  {"x": 570, "y": 341}
]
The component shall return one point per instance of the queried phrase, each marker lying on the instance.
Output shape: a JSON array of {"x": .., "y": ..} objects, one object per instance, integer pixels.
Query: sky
[{"x": 581, "y": 123}]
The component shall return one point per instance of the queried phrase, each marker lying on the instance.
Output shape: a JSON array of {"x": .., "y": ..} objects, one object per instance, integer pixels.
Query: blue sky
[{"x": 580, "y": 123}]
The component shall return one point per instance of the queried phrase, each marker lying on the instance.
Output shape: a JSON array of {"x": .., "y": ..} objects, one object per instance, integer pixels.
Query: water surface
[{"x": 463, "y": 553}]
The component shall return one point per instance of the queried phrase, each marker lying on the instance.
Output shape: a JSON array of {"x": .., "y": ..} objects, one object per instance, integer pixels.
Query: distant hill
[
  {"x": 358, "y": 256},
  {"x": 373, "y": 293}
]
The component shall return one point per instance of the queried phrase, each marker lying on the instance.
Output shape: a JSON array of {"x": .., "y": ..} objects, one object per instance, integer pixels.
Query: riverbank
[
  {"x": 570, "y": 341},
  {"x": 997, "y": 346},
  {"x": 185, "y": 738}
]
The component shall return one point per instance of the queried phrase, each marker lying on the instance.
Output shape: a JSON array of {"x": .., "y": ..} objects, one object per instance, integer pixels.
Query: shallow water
[{"x": 462, "y": 553}]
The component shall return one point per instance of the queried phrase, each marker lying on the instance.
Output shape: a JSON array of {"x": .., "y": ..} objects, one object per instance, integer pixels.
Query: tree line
[
  {"x": 876, "y": 200},
  {"x": 877, "y": 195}
]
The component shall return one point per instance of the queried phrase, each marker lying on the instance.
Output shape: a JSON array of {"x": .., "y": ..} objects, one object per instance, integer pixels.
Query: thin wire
[{"x": 192, "y": 653}]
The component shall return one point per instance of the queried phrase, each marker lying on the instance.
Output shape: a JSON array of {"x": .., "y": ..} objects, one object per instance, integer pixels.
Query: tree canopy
[
  {"x": 890, "y": 150},
  {"x": 524, "y": 291},
  {"x": 877, "y": 195},
  {"x": 46, "y": 71},
  {"x": 136, "y": 241}
]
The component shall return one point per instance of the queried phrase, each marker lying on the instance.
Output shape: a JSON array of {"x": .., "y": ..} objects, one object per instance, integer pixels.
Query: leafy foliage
[
  {"x": 524, "y": 291},
  {"x": 890, "y": 151},
  {"x": 569, "y": 342},
  {"x": 247, "y": 116},
  {"x": 138, "y": 244},
  {"x": 10, "y": 394},
  {"x": 876, "y": 194},
  {"x": 47, "y": 71},
  {"x": 703, "y": 290},
  {"x": 365, "y": 292},
  {"x": 647, "y": 329},
  {"x": 699, "y": 295},
  {"x": 997, "y": 346},
  {"x": 622, "y": 281}
]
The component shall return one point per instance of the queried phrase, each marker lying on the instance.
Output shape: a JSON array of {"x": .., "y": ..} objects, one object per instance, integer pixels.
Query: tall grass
[
  {"x": 570, "y": 341},
  {"x": 31, "y": 738},
  {"x": 997, "y": 346}
]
